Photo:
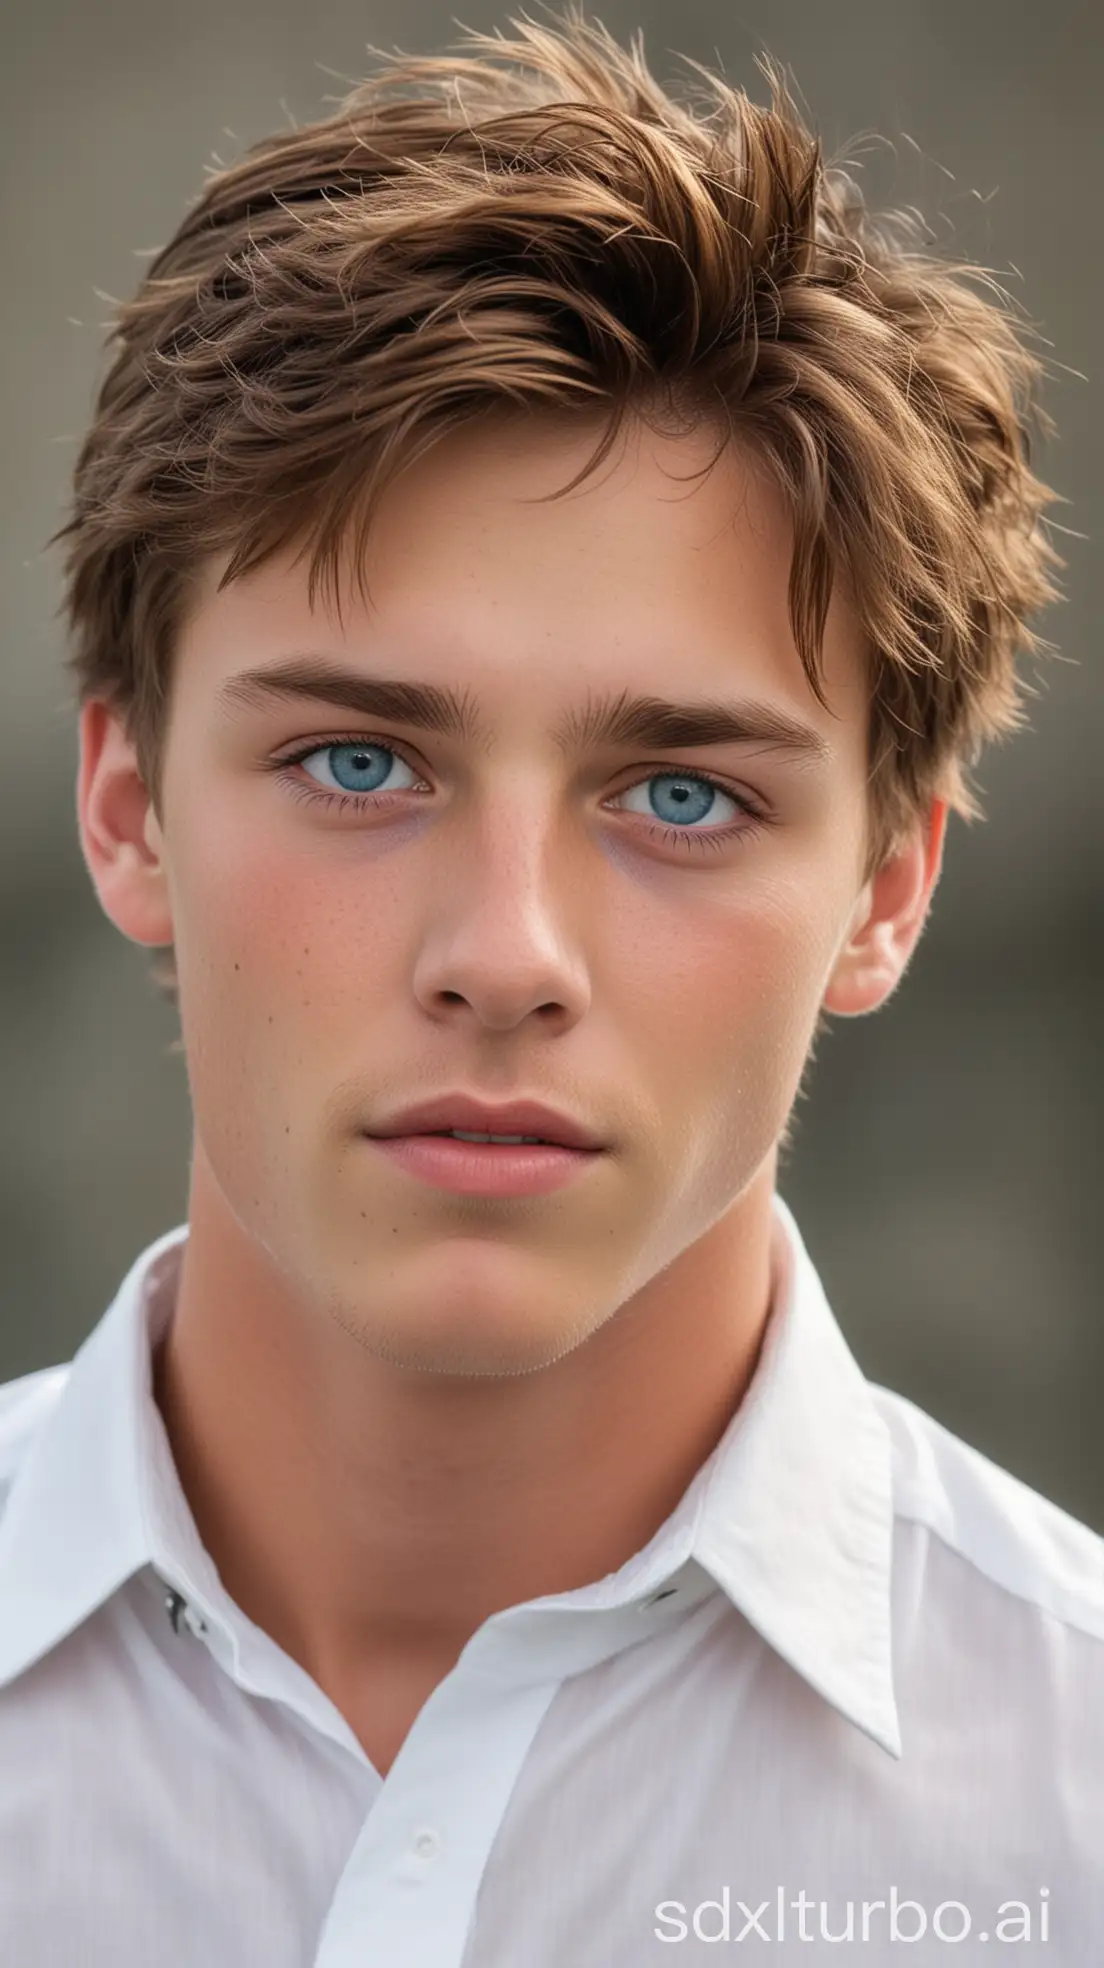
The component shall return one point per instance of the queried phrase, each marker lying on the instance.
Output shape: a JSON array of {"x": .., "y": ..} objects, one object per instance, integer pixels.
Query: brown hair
[{"x": 534, "y": 224}]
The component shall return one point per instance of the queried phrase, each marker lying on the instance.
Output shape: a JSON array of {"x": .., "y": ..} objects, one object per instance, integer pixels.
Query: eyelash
[{"x": 754, "y": 819}]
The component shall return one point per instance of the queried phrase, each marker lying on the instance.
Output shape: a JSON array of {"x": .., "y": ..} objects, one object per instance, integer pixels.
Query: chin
[{"x": 489, "y": 1352}]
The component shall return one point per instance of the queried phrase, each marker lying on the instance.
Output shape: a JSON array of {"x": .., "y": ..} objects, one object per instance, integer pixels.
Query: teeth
[{"x": 458, "y": 1134}]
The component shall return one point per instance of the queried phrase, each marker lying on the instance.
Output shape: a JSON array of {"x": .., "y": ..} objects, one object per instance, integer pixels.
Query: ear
[
  {"x": 119, "y": 833},
  {"x": 887, "y": 920}
]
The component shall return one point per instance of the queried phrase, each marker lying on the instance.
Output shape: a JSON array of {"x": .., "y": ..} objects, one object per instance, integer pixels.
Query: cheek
[
  {"x": 272, "y": 912},
  {"x": 755, "y": 964},
  {"x": 270, "y": 944},
  {"x": 739, "y": 1008}
]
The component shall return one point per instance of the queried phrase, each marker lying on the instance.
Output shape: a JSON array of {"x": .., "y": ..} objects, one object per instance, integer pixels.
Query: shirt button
[{"x": 426, "y": 1845}]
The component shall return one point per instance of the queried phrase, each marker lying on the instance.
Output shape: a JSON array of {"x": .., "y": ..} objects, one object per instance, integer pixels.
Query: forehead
[{"x": 660, "y": 573}]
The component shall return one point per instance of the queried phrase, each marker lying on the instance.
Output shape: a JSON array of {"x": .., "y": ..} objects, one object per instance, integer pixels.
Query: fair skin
[{"x": 395, "y": 1410}]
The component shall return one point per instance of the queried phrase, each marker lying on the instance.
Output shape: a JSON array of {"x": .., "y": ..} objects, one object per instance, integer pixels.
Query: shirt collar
[
  {"x": 796, "y": 1523},
  {"x": 791, "y": 1515}
]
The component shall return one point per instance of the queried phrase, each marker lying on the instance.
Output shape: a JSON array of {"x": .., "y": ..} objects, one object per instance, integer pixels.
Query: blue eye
[
  {"x": 359, "y": 768},
  {"x": 362, "y": 766},
  {"x": 683, "y": 796}
]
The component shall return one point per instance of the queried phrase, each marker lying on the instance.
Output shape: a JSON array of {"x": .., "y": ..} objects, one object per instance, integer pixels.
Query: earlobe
[
  {"x": 119, "y": 835},
  {"x": 887, "y": 922}
]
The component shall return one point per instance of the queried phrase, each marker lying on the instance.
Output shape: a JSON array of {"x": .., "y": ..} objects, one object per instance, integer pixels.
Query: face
[{"x": 639, "y": 933}]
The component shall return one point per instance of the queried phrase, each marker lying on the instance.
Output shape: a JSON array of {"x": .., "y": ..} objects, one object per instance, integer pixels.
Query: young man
[{"x": 541, "y": 566}]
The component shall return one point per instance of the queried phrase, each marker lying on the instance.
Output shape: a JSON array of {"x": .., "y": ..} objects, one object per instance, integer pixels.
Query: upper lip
[{"x": 459, "y": 1110}]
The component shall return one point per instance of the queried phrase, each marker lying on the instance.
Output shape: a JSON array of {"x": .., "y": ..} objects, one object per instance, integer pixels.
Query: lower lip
[{"x": 484, "y": 1168}]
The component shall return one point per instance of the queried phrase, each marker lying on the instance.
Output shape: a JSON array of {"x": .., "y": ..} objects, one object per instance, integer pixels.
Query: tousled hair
[{"x": 534, "y": 225}]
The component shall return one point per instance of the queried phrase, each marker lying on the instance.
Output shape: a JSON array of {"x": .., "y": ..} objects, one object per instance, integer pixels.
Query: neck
[{"x": 353, "y": 1508}]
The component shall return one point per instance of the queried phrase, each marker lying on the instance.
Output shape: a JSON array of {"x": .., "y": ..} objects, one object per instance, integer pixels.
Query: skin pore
[{"x": 395, "y": 1410}]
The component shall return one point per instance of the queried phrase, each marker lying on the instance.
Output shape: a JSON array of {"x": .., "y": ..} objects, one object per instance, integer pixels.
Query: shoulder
[
  {"x": 1006, "y": 1534},
  {"x": 24, "y": 1405}
]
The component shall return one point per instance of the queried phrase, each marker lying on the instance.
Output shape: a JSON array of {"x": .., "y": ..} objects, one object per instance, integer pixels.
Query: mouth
[
  {"x": 488, "y": 1140},
  {"x": 452, "y": 1161}
]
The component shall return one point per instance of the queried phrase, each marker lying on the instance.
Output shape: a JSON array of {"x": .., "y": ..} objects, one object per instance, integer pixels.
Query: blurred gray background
[{"x": 947, "y": 1168}]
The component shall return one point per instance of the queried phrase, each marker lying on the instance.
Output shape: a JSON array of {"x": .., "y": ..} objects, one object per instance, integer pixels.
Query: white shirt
[{"x": 858, "y": 1663}]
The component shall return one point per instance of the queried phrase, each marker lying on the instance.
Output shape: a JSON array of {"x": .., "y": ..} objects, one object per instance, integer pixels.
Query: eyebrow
[{"x": 615, "y": 718}]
